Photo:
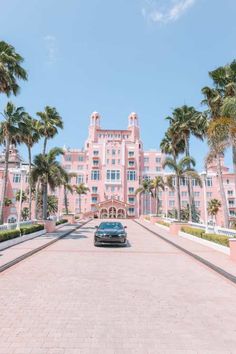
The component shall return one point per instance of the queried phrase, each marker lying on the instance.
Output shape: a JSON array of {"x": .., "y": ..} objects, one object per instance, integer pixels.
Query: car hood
[{"x": 110, "y": 232}]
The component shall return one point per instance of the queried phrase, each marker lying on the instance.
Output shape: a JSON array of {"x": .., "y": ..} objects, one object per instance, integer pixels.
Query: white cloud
[
  {"x": 156, "y": 12},
  {"x": 51, "y": 47}
]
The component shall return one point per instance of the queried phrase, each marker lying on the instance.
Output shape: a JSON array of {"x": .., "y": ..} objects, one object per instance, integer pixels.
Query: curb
[
  {"x": 210, "y": 265},
  {"x": 38, "y": 249}
]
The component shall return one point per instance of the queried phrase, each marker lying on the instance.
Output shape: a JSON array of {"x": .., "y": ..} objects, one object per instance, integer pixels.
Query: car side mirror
[
  {"x": 125, "y": 227},
  {"x": 96, "y": 227}
]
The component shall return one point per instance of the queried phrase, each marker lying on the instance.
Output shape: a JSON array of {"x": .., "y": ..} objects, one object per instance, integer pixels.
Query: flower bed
[
  {"x": 164, "y": 223},
  {"x": 220, "y": 239},
  {"x": 24, "y": 230}
]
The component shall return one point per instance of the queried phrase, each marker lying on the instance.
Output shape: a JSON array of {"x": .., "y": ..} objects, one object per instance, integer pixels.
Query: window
[
  {"x": 95, "y": 175},
  {"x": 131, "y": 190},
  {"x": 131, "y": 211},
  {"x": 184, "y": 203},
  {"x": 158, "y": 169},
  {"x": 108, "y": 151},
  {"x": 209, "y": 182},
  {"x": 231, "y": 192},
  {"x": 67, "y": 167},
  {"x": 209, "y": 194},
  {"x": 197, "y": 203},
  {"x": 94, "y": 189},
  {"x": 80, "y": 167},
  {"x": 171, "y": 203},
  {"x": 94, "y": 199},
  {"x": 195, "y": 183},
  {"x": 196, "y": 194},
  {"x": 184, "y": 194},
  {"x": 68, "y": 158},
  {"x": 232, "y": 213},
  {"x": 95, "y": 162},
  {"x": 158, "y": 160},
  {"x": 26, "y": 178},
  {"x": 118, "y": 161},
  {"x": 12, "y": 210},
  {"x": 131, "y": 175},
  {"x": 131, "y": 163},
  {"x": 112, "y": 188},
  {"x": 227, "y": 181},
  {"x": 231, "y": 202},
  {"x": 79, "y": 179},
  {"x": 159, "y": 194},
  {"x": 146, "y": 160},
  {"x": 118, "y": 152},
  {"x": 95, "y": 152},
  {"x": 113, "y": 161},
  {"x": 146, "y": 168},
  {"x": 131, "y": 200},
  {"x": 113, "y": 175},
  {"x": 171, "y": 194},
  {"x": 16, "y": 178},
  {"x": 131, "y": 153},
  {"x": 80, "y": 158},
  {"x": 183, "y": 181},
  {"x": 108, "y": 161},
  {"x": 113, "y": 152}
]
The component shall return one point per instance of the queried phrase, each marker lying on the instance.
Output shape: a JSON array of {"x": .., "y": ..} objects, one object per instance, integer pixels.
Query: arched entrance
[
  {"x": 104, "y": 214},
  {"x": 121, "y": 213},
  {"x": 112, "y": 213}
]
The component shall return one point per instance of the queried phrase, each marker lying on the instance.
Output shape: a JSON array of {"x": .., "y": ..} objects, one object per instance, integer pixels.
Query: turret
[{"x": 133, "y": 125}]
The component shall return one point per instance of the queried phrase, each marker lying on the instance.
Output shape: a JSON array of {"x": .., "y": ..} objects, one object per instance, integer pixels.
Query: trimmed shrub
[
  {"x": 164, "y": 223},
  {"x": 29, "y": 229},
  {"x": 220, "y": 239},
  {"x": 9, "y": 234},
  {"x": 62, "y": 221},
  {"x": 192, "y": 231}
]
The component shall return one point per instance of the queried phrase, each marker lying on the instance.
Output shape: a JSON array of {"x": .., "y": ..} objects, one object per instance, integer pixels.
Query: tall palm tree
[
  {"x": 10, "y": 69},
  {"x": 81, "y": 189},
  {"x": 187, "y": 121},
  {"x": 217, "y": 138},
  {"x": 9, "y": 134},
  {"x": 145, "y": 188},
  {"x": 68, "y": 187},
  {"x": 182, "y": 169},
  {"x": 48, "y": 171},
  {"x": 50, "y": 121},
  {"x": 29, "y": 136}
]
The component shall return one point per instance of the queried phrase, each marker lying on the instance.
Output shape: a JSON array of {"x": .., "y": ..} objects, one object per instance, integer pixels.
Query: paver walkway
[
  {"x": 217, "y": 258},
  {"x": 74, "y": 298}
]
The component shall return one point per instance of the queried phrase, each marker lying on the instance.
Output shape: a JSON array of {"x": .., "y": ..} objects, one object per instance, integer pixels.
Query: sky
[{"x": 118, "y": 57}]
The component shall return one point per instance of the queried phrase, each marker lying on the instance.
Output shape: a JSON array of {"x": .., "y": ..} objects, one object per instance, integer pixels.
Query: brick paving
[{"x": 147, "y": 298}]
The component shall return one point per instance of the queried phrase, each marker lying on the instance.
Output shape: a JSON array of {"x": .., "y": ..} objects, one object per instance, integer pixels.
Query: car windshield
[{"x": 110, "y": 225}]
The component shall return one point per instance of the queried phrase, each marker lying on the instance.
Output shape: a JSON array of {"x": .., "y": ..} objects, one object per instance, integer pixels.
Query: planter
[
  {"x": 154, "y": 219},
  {"x": 49, "y": 225},
  {"x": 175, "y": 227},
  {"x": 70, "y": 218},
  {"x": 232, "y": 246}
]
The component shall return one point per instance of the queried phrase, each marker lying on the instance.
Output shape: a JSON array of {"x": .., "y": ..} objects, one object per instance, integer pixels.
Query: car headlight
[{"x": 122, "y": 235}]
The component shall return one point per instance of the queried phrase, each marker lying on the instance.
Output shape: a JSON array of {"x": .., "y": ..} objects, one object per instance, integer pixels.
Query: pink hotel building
[{"x": 112, "y": 165}]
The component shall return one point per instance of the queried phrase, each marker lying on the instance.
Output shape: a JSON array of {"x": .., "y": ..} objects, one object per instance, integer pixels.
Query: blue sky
[{"x": 118, "y": 56}]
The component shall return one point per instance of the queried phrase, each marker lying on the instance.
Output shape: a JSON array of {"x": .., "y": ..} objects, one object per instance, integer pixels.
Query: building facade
[{"x": 112, "y": 165}]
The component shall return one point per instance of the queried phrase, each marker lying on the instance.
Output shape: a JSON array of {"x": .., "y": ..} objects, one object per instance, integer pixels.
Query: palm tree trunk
[
  {"x": 30, "y": 183},
  {"x": 5, "y": 178},
  {"x": 80, "y": 203},
  {"x": 36, "y": 201},
  {"x": 234, "y": 165},
  {"x": 178, "y": 198},
  {"x": 189, "y": 182},
  {"x": 45, "y": 200},
  {"x": 222, "y": 192},
  {"x": 157, "y": 201},
  {"x": 44, "y": 146},
  {"x": 66, "y": 201}
]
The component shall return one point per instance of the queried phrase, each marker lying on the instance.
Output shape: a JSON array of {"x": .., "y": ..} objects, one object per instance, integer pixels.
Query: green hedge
[
  {"x": 24, "y": 230},
  {"x": 62, "y": 221},
  {"x": 220, "y": 239},
  {"x": 164, "y": 223},
  {"x": 29, "y": 229}
]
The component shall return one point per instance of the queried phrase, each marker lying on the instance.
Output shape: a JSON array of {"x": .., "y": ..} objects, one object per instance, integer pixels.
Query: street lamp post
[
  {"x": 204, "y": 175},
  {"x": 22, "y": 171}
]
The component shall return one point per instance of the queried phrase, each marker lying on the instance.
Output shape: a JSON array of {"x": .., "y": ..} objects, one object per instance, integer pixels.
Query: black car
[{"x": 110, "y": 233}]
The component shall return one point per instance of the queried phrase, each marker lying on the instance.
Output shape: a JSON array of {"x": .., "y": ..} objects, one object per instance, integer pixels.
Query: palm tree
[
  {"x": 47, "y": 171},
  {"x": 29, "y": 136},
  {"x": 182, "y": 169},
  {"x": 9, "y": 134},
  {"x": 213, "y": 208},
  {"x": 49, "y": 122},
  {"x": 217, "y": 138},
  {"x": 65, "y": 181},
  {"x": 81, "y": 189},
  {"x": 187, "y": 121},
  {"x": 158, "y": 184},
  {"x": 10, "y": 69},
  {"x": 23, "y": 199},
  {"x": 145, "y": 188}
]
